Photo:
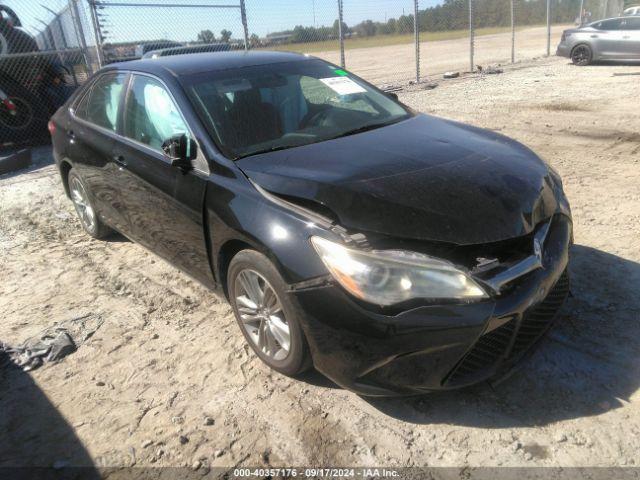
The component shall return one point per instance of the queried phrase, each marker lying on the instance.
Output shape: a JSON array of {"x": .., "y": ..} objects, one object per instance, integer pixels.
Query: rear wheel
[
  {"x": 85, "y": 209},
  {"x": 581, "y": 55},
  {"x": 266, "y": 315}
]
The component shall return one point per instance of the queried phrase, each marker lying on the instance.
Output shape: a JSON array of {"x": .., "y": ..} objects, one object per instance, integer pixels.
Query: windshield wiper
[
  {"x": 367, "y": 127},
  {"x": 267, "y": 150},
  {"x": 363, "y": 128}
]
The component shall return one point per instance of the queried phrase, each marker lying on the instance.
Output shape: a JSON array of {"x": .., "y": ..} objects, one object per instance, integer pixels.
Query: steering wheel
[{"x": 316, "y": 118}]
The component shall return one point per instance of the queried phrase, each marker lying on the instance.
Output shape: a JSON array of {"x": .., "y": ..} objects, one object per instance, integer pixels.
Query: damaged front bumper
[
  {"x": 435, "y": 347},
  {"x": 563, "y": 50}
]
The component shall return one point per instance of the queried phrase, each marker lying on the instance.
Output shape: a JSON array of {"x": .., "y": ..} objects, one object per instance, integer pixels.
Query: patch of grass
[{"x": 386, "y": 40}]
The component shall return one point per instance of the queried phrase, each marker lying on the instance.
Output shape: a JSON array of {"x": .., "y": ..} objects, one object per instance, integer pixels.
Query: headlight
[{"x": 386, "y": 277}]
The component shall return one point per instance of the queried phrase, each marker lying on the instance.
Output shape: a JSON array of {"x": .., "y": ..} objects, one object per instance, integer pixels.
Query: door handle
[
  {"x": 626, "y": 37},
  {"x": 120, "y": 161},
  {"x": 594, "y": 36}
]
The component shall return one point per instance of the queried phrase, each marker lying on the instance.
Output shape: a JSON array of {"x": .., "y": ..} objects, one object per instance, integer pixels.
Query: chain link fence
[
  {"x": 49, "y": 47},
  {"x": 44, "y": 56}
]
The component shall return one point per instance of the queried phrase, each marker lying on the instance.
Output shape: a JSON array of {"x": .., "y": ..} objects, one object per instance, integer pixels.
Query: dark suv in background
[{"x": 32, "y": 87}]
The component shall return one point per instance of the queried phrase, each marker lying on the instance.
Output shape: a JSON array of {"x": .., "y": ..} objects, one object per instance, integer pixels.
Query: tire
[
  {"x": 265, "y": 334},
  {"x": 581, "y": 55},
  {"x": 85, "y": 209},
  {"x": 27, "y": 120}
]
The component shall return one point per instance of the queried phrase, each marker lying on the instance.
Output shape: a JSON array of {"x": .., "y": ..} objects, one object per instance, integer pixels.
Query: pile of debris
[{"x": 52, "y": 344}]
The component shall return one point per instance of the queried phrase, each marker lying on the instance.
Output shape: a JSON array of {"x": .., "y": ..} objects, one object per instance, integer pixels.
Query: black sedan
[{"x": 394, "y": 251}]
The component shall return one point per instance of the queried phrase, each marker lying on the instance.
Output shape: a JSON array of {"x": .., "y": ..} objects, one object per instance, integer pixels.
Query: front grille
[
  {"x": 495, "y": 345},
  {"x": 485, "y": 353},
  {"x": 537, "y": 321}
]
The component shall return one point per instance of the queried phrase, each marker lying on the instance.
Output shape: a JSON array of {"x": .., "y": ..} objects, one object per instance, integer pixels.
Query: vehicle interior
[{"x": 251, "y": 110}]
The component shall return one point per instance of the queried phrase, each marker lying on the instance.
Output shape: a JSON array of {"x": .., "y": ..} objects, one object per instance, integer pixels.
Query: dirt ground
[
  {"x": 396, "y": 63},
  {"x": 166, "y": 378}
]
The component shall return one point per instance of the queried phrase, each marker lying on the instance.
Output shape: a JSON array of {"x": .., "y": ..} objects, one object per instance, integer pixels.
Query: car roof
[
  {"x": 191, "y": 63},
  {"x": 607, "y": 19}
]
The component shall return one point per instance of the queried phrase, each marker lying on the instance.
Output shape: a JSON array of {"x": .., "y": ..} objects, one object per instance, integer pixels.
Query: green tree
[
  {"x": 206, "y": 36},
  {"x": 366, "y": 28},
  {"x": 225, "y": 36},
  {"x": 335, "y": 30},
  {"x": 254, "y": 40}
]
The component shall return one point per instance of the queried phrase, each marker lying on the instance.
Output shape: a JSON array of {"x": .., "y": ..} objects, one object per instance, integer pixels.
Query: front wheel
[
  {"x": 265, "y": 313},
  {"x": 581, "y": 55}
]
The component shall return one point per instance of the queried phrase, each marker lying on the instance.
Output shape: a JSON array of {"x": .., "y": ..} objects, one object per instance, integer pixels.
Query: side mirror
[
  {"x": 180, "y": 149},
  {"x": 392, "y": 95}
]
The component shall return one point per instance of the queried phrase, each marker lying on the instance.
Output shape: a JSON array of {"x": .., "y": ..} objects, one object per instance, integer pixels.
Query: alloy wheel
[
  {"x": 581, "y": 55},
  {"x": 81, "y": 202},
  {"x": 261, "y": 314}
]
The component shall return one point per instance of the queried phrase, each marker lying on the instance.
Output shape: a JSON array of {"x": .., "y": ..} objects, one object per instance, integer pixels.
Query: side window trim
[
  {"x": 123, "y": 103},
  {"x": 89, "y": 90},
  {"x": 198, "y": 162},
  {"x": 85, "y": 94}
]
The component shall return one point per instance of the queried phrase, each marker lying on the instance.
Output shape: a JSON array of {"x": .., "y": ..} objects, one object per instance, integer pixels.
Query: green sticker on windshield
[{"x": 339, "y": 71}]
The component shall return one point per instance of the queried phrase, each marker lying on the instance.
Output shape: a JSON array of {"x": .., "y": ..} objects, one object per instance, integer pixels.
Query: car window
[
  {"x": 613, "y": 24},
  {"x": 633, "y": 23},
  {"x": 262, "y": 108},
  {"x": 318, "y": 93},
  {"x": 151, "y": 116},
  {"x": 101, "y": 104}
]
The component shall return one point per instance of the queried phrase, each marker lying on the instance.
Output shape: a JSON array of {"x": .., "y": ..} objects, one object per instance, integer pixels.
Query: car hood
[
  {"x": 579, "y": 30},
  {"x": 422, "y": 178}
]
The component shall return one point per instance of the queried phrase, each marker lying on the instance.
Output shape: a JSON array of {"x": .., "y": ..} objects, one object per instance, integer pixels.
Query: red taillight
[{"x": 52, "y": 127}]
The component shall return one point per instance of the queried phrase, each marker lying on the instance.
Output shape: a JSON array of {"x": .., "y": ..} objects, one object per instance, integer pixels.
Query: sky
[{"x": 263, "y": 16}]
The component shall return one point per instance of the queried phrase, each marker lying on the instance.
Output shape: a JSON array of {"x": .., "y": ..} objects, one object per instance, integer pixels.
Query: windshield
[{"x": 263, "y": 108}]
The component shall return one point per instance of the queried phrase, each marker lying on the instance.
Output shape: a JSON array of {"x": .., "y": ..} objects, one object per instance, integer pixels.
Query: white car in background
[{"x": 631, "y": 11}]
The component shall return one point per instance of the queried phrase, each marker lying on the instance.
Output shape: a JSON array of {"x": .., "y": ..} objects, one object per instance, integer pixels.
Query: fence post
[
  {"x": 548, "y": 27},
  {"x": 340, "y": 33},
  {"x": 243, "y": 17},
  {"x": 96, "y": 32},
  {"x": 471, "y": 34},
  {"x": 77, "y": 25},
  {"x": 513, "y": 31},
  {"x": 416, "y": 34}
]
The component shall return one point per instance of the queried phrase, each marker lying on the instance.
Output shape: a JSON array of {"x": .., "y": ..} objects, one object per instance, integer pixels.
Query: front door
[{"x": 163, "y": 204}]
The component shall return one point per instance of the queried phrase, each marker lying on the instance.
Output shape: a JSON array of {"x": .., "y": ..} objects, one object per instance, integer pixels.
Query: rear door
[
  {"x": 162, "y": 204},
  {"x": 90, "y": 132}
]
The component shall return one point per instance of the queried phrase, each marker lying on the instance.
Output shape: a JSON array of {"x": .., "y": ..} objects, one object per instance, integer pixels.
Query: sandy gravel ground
[
  {"x": 166, "y": 379},
  {"x": 396, "y": 63}
]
